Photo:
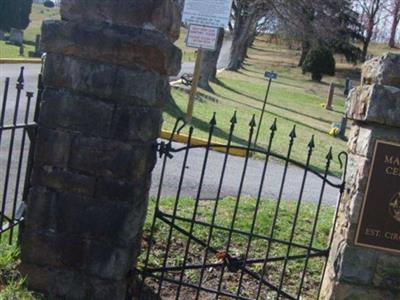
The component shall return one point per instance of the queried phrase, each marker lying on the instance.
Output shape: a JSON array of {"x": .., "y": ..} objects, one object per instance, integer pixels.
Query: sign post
[
  {"x": 271, "y": 76},
  {"x": 193, "y": 90},
  {"x": 204, "y": 18}
]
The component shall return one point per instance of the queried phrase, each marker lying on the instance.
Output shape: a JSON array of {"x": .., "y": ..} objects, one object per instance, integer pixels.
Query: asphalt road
[
  {"x": 191, "y": 181},
  {"x": 234, "y": 175}
]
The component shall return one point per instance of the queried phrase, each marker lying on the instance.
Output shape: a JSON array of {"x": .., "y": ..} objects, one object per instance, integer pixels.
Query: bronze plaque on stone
[{"x": 379, "y": 224}]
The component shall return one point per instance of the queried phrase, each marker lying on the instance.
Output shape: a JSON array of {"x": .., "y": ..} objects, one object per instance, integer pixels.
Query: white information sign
[
  {"x": 202, "y": 37},
  {"x": 213, "y": 13}
]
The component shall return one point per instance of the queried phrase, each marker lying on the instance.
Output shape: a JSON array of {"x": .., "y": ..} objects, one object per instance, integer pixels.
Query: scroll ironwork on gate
[{"x": 195, "y": 249}]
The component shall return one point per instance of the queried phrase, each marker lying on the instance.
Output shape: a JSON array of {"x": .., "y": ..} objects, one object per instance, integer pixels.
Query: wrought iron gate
[
  {"x": 18, "y": 116},
  {"x": 195, "y": 249}
]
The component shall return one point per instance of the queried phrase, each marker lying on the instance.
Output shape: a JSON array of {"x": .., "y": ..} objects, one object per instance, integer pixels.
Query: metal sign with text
[
  {"x": 212, "y": 13},
  {"x": 202, "y": 37},
  {"x": 379, "y": 224},
  {"x": 271, "y": 75}
]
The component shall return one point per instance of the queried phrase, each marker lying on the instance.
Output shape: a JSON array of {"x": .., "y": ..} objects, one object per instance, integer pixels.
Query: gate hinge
[{"x": 164, "y": 149}]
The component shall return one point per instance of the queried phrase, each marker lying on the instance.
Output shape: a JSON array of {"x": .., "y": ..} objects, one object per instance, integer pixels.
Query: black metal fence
[
  {"x": 18, "y": 115},
  {"x": 239, "y": 247}
]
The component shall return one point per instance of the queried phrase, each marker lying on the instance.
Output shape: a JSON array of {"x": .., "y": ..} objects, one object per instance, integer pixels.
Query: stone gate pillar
[
  {"x": 105, "y": 79},
  {"x": 356, "y": 271}
]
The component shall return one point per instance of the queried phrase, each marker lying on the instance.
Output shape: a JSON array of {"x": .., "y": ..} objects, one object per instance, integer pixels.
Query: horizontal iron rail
[
  {"x": 17, "y": 126},
  {"x": 258, "y": 150},
  {"x": 11, "y": 224},
  {"x": 163, "y": 217},
  {"x": 248, "y": 262}
]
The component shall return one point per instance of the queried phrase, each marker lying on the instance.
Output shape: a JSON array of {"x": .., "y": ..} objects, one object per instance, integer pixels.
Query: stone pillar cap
[{"x": 383, "y": 70}]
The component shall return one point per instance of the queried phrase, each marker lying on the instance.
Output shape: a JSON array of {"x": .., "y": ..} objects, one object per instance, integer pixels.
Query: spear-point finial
[
  {"x": 329, "y": 156},
  {"x": 311, "y": 144},
  {"x": 274, "y": 127},
  {"x": 213, "y": 120},
  {"x": 234, "y": 118},
  {"x": 21, "y": 76},
  {"x": 292, "y": 134},
  {"x": 253, "y": 123}
]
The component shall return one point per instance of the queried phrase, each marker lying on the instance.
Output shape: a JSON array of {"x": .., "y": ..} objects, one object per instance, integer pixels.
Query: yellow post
[{"x": 193, "y": 90}]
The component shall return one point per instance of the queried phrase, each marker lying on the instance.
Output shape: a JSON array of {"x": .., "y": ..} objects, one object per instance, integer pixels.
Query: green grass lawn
[
  {"x": 245, "y": 217},
  {"x": 12, "y": 285},
  {"x": 294, "y": 100}
]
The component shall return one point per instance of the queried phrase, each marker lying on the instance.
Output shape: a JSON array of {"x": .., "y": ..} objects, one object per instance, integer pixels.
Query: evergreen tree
[
  {"x": 319, "y": 61},
  {"x": 14, "y": 14}
]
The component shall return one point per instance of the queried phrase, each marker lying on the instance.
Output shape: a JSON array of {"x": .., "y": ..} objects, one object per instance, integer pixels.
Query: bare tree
[
  {"x": 311, "y": 23},
  {"x": 246, "y": 14},
  {"x": 394, "y": 10},
  {"x": 370, "y": 17}
]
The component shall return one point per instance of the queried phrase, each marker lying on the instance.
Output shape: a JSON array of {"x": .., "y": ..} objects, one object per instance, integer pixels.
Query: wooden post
[
  {"x": 330, "y": 96},
  {"x": 195, "y": 82}
]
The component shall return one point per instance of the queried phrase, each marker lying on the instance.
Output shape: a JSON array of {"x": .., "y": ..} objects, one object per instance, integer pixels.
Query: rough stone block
[
  {"x": 121, "y": 190},
  {"x": 362, "y": 139},
  {"x": 136, "y": 124},
  {"x": 87, "y": 256},
  {"x": 53, "y": 147},
  {"x": 62, "y": 109},
  {"x": 62, "y": 180},
  {"x": 67, "y": 284},
  {"x": 383, "y": 70},
  {"x": 111, "y": 158},
  {"x": 353, "y": 207},
  {"x": 88, "y": 218},
  {"x": 162, "y": 15},
  {"x": 358, "y": 174},
  {"x": 38, "y": 214},
  {"x": 376, "y": 104},
  {"x": 354, "y": 292},
  {"x": 129, "y": 47},
  {"x": 105, "y": 81},
  {"x": 387, "y": 274},
  {"x": 355, "y": 265}
]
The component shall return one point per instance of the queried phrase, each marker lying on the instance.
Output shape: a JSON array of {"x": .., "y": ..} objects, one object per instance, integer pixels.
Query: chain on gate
[{"x": 181, "y": 258}]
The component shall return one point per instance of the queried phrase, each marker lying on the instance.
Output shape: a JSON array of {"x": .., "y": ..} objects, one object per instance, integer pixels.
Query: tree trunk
[
  {"x": 365, "y": 48},
  {"x": 395, "y": 23},
  {"x": 367, "y": 41},
  {"x": 305, "y": 48},
  {"x": 209, "y": 62},
  {"x": 245, "y": 25},
  {"x": 2, "y": 35}
]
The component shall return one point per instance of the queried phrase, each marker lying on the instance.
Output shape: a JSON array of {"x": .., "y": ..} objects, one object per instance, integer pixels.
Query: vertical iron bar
[
  {"x": 342, "y": 188},
  {"x": 311, "y": 146},
  {"x": 32, "y": 137},
  {"x": 164, "y": 165},
  {"x": 3, "y": 106},
  {"x": 251, "y": 133},
  {"x": 29, "y": 96},
  {"x": 262, "y": 113},
  {"x": 292, "y": 136},
  {"x": 321, "y": 196},
  {"x": 19, "y": 86},
  {"x": 264, "y": 172},
  {"x": 175, "y": 210},
  {"x": 215, "y": 209},
  {"x": 196, "y": 206}
]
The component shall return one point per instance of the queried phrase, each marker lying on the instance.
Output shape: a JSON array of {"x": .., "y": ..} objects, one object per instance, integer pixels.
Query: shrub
[
  {"x": 49, "y": 4},
  {"x": 319, "y": 61}
]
